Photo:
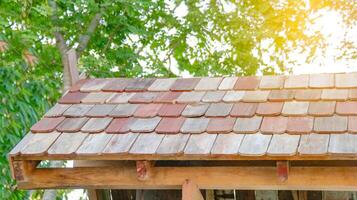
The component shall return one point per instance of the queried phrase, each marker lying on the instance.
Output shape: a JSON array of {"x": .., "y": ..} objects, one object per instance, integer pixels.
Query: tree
[{"x": 144, "y": 38}]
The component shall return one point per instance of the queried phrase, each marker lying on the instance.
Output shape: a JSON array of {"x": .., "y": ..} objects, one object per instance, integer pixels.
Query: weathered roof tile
[
  {"x": 97, "y": 97},
  {"x": 281, "y": 95},
  {"x": 200, "y": 144},
  {"x": 146, "y": 143},
  {"x": 247, "y": 125},
  {"x": 352, "y": 94},
  {"x": 322, "y": 81},
  {"x": 77, "y": 86},
  {"x": 346, "y": 108},
  {"x": 139, "y": 84},
  {"x": 94, "y": 85},
  {"x": 186, "y": 84},
  {"x": 283, "y": 145},
  {"x": 167, "y": 97},
  {"x": 322, "y": 108},
  {"x": 120, "y": 98},
  {"x": 227, "y": 144},
  {"x": 220, "y": 125},
  {"x": 143, "y": 97},
  {"x": 352, "y": 124},
  {"x": 145, "y": 125},
  {"x": 334, "y": 94},
  {"x": 208, "y": 83},
  {"x": 247, "y": 83},
  {"x": 190, "y": 97},
  {"x": 78, "y": 110},
  {"x": 120, "y": 143},
  {"x": 242, "y": 109},
  {"x": 171, "y": 110},
  {"x": 57, "y": 110},
  {"x": 334, "y": 124},
  {"x": 120, "y": 125},
  {"x": 219, "y": 110},
  {"x": 100, "y": 110},
  {"x": 124, "y": 110},
  {"x": 72, "y": 124},
  {"x": 195, "y": 110},
  {"x": 270, "y": 108},
  {"x": 256, "y": 96},
  {"x": 147, "y": 110},
  {"x": 194, "y": 125},
  {"x": 213, "y": 96},
  {"x": 300, "y": 124},
  {"x": 94, "y": 144},
  {"x": 228, "y": 83},
  {"x": 344, "y": 144},
  {"x": 254, "y": 144},
  {"x": 314, "y": 144},
  {"x": 347, "y": 80},
  {"x": 297, "y": 81},
  {"x": 96, "y": 125},
  {"x": 233, "y": 96},
  {"x": 272, "y": 82},
  {"x": 274, "y": 125},
  {"x": 116, "y": 85},
  {"x": 73, "y": 98},
  {"x": 46, "y": 125},
  {"x": 170, "y": 125},
  {"x": 308, "y": 95},
  {"x": 295, "y": 108},
  {"x": 173, "y": 144},
  {"x": 162, "y": 84}
]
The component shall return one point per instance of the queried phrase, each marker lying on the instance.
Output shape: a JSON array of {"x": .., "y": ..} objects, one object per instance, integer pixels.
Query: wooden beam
[
  {"x": 282, "y": 169},
  {"x": 72, "y": 64},
  {"x": 190, "y": 191},
  {"x": 20, "y": 169},
  {"x": 255, "y": 178},
  {"x": 143, "y": 170}
]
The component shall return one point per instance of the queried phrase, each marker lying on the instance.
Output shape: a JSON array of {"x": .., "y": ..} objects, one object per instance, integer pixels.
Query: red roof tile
[
  {"x": 352, "y": 124},
  {"x": 139, "y": 84},
  {"x": 220, "y": 125},
  {"x": 274, "y": 125},
  {"x": 185, "y": 84},
  {"x": 170, "y": 125},
  {"x": 281, "y": 95},
  {"x": 308, "y": 95},
  {"x": 346, "y": 108},
  {"x": 171, "y": 110},
  {"x": 120, "y": 98},
  {"x": 334, "y": 94},
  {"x": 272, "y": 82},
  {"x": 143, "y": 97},
  {"x": 147, "y": 110},
  {"x": 247, "y": 83},
  {"x": 300, "y": 124},
  {"x": 72, "y": 124},
  {"x": 72, "y": 97},
  {"x": 243, "y": 109},
  {"x": 322, "y": 108},
  {"x": 116, "y": 85},
  {"x": 120, "y": 125},
  {"x": 167, "y": 97},
  {"x": 270, "y": 108},
  {"x": 46, "y": 125}
]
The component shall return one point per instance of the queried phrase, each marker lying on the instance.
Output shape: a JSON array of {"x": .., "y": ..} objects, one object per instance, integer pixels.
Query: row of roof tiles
[
  {"x": 241, "y": 109},
  {"x": 210, "y": 96},
  {"x": 55, "y": 143},
  {"x": 268, "y": 125},
  {"x": 228, "y": 83}
]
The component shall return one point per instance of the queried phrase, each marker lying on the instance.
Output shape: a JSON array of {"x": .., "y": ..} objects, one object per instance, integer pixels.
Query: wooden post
[{"x": 190, "y": 191}]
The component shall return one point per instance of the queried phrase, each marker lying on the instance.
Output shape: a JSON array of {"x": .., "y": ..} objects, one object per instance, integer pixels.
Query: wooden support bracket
[
  {"x": 144, "y": 170},
  {"x": 190, "y": 191},
  {"x": 20, "y": 169},
  {"x": 282, "y": 168}
]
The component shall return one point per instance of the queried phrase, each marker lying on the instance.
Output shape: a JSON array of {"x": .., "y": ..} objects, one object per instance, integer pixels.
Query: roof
[{"x": 268, "y": 117}]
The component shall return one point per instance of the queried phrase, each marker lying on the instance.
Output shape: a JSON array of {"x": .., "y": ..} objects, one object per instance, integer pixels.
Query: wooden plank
[
  {"x": 23, "y": 142},
  {"x": 200, "y": 144},
  {"x": 282, "y": 170},
  {"x": 67, "y": 143},
  {"x": 343, "y": 144},
  {"x": 283, "y": 145},
  {"x": 227, "y": 144},
  {"x": 263, "y": 178},
  {"x": 190, "y": 191},
  {"x": 254, "y": 144},
  {"x": 120, "y": 143},
  {"x": 146, "y": 143},
  {"x": 39, "y": 143},
  {"x": 94, "y": 144},
  {"x": 173, "y": 144},
  {"x": 314, "y": 144},
  {"x": 143, "y": 169}
]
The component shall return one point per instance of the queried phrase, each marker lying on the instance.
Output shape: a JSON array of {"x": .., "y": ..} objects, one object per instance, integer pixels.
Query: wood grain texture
[
  {"x": 94, "y": 144},
  {"x": 173, "y": 144},
  {"x": 227, "y": 144},
  {"x": 200, "y": 144},
  {"x": 67, "y": 143},
  {"x": 39, "y": 143},
  {"x": 120, "y": 143},
  {"x": 255, "y": 144}
]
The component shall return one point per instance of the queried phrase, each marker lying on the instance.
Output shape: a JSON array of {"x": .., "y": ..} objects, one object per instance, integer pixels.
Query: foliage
[{"x": 144, "y": 38}]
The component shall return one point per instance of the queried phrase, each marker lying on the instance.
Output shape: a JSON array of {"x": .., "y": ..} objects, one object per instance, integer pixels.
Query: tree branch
[
  {"x": 84, "y": 38},
  {"x": 60, "y": 41}
]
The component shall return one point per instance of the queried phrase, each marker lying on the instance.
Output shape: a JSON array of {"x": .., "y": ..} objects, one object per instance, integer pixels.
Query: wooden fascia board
[{"x": 254, "y": 178}]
